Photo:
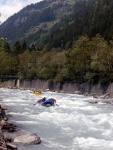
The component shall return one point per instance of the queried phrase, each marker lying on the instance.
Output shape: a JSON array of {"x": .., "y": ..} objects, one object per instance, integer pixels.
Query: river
[{"x": 74, "y": 124}]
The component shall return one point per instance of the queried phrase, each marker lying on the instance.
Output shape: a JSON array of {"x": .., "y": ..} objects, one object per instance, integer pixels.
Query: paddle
[{"x": 34, "y": 104}]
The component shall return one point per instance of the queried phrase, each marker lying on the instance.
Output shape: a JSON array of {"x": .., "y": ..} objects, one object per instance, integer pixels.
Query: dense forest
[
  {"x": 89, "y": 60},
  {"x": 77, "y": 48}
]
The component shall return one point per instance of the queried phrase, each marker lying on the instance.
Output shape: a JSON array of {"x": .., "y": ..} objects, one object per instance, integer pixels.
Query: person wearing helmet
[{"x": 43, "y": 99}]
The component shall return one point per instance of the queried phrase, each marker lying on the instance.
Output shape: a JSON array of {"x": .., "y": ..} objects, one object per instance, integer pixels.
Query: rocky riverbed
[
  {"x": 5, "y": 126},
  {"x": 6, "y": 142}
]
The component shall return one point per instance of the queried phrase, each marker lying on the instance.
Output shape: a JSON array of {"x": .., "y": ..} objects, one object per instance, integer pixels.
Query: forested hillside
[
  {"x": 64, "y": 40},
  {"x": 33, "y": 22},
  {"x": 56, "y": 24}
]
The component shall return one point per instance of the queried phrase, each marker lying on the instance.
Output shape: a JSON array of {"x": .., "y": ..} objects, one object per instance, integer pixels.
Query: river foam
[{"x": 74, "y": 124}]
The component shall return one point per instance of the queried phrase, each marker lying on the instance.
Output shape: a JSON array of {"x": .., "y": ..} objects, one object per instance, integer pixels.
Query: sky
[{"x": 10, "y": 7}]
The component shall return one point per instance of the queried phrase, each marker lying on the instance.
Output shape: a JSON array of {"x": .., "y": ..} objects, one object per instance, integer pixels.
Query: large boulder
[
  {"x": 4, "y": 107},
  {"x": 29, "y": 138}
]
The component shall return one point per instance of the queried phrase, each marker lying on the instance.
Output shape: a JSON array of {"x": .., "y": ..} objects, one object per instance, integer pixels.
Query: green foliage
[
  {"x": 79, "y": 58},
  {"x": 8, "y": 64},
  {"x": 7, "y": 47},
  {"x": 27, "y": 65},
  {"x": 24, "y": 46},
  {"x": 89, "y": 60},
  {"x": 17, "y": 49},
  {"x": 50, "y": 65}
]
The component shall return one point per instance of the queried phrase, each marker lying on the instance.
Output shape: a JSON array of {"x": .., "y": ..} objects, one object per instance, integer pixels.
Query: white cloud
[{"x": 9, "y": 7}]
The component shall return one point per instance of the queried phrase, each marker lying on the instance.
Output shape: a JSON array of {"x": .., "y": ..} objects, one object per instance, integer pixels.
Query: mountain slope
[
  {"x": 34, "y": 19},
  {"x": 57, "y": 24}
]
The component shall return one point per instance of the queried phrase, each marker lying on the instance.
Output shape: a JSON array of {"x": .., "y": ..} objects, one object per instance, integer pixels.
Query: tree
[
  {"x": 32, "y": 47},
  {"x": 24, "y": 46},
  {"x": 102, "y": 63},
  {"x": 79, "y": 59},
  {"x": 8, "y": 64},
  {"x": 6, "y": 47},
  {"x": 17, "y": 49},
  {"x": 28, "y": 64}
]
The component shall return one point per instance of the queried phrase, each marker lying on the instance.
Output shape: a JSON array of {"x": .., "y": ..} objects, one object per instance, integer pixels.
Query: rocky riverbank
[
  {"x": 7, "y": 143},
  {"x": 5, "y": 126},
  {"x": 2, "y": 140}
]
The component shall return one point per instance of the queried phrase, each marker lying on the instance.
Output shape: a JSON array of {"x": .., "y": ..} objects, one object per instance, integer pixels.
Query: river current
[{"x": 75, "y": 124}]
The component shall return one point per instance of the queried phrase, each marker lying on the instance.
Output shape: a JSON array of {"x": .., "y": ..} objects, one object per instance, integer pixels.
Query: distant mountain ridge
[
  {"x": 34, "y": 18},
  {"x": 54, "y": 24}
]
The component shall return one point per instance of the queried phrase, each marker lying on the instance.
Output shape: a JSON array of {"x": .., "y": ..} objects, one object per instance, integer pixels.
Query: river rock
[
  {"x": 11, "y": 146},
  {"x": 4, "y": 107},
  {"x": 29, "y": 138},
  {"x": 77, "y": 92},
  {"x": 10, "y": 127},
  {"x": 93, "y": 102}
]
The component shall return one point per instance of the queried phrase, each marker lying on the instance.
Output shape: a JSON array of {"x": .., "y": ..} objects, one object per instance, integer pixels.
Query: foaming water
[{"x": 74, "y": 124}]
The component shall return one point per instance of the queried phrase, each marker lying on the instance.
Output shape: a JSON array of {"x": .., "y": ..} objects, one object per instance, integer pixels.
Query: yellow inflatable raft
[{"x": 36, "y": 92}]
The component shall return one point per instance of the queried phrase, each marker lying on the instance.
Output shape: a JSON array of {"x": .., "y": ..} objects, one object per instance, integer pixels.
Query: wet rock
[
  {"x": 93, "y": 102},
  {"x": 4, "y": 107},
  {"x": 2, "y": 141},
  {"x": 10, "y": 127},
  {"x": 29, "y": 138},
  {"x": 3, "y": 114},
  {"x": 77, "y": 92},
  {"x": 7, "y": 139},
  {"x": 11, "y": 146},
  {"x": 3, "y": 122},
  {"x": 105, "y": 96},
  {"x": 107, "y": 102}
]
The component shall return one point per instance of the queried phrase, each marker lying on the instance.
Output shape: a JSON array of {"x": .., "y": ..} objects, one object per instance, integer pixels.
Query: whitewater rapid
[{"x": 74, "y": 124}]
